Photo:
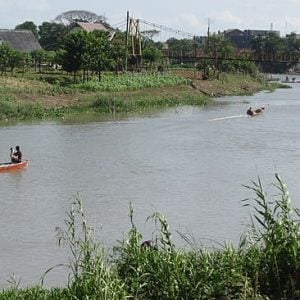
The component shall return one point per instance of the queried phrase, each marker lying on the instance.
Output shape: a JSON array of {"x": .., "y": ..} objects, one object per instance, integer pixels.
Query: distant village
[
  {"x": 141, "y": 49},
  {"x": 25, "y": 40}
]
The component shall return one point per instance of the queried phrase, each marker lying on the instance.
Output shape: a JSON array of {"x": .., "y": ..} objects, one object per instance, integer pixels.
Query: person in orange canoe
[{"x": 16, "y": 156}]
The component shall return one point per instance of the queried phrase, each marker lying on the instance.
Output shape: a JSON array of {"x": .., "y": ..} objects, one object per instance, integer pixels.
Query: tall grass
[
  {"x": 276, "y": 237},
  {"x": 117, "y": 103},
  {"x": 14, "y": 110},
  {"x": 265, "y": 265},
  {"x": 131, "y": 82}
]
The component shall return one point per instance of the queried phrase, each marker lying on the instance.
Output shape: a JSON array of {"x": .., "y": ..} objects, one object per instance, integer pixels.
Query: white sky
[{"x": 189, "y": 16}]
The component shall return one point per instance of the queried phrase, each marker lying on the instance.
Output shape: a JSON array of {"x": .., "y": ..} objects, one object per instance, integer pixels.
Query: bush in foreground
[{"x": 266, "y": 264}]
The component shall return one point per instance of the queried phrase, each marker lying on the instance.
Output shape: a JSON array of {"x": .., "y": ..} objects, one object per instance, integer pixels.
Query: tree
[
  {"x": 98, "y": 51},
  {"x": 258, "y": 46},
  {"x": 183, "y": 46},
  {"x": 28, "y": 25},
  {"x": 218, "y": 46},
  {"x": 15, "y": 59},
  {"x": 38, "y": 56},
  {"x": 9, "y": 58},
  {"x": 73, "y": 52},
  {"x": 151, "y": 55},
  {"x": 148, "y": 36},
  {"x": 268, "y": 45},
  {"x": 292, "y": 46},
  {"x": 4, "y": 57},
  {"x": 51, "y": 35},
  {"x": 118, "y": 51},
  {"x": 79, "y": 16},
  {"x": 273, "y": 45},
  {"x": 87, "y": 51}
]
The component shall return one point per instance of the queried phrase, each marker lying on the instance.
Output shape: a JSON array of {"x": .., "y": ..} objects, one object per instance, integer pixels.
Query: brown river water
[{"x": 188, "y": 163}]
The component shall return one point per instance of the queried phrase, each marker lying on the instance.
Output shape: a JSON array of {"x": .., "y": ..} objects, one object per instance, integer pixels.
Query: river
[{"x": 189, "y": 163}]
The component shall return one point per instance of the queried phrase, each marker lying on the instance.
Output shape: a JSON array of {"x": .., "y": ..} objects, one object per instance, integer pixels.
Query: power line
[
  {"x": 119, "y": 23},
  {"x": 176, "y": 31}
]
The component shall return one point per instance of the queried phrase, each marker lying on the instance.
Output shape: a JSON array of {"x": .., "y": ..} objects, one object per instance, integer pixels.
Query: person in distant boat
[
  {"x": 16, "y": 156},
  {"x": 250, "y": 112}
]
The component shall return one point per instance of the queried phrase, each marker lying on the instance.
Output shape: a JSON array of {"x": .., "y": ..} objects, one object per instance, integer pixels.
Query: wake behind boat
[
  {"x": 249, "y": 113},
  {"x": 6, "y": 167},
  {"x": 229, "y": 117}
]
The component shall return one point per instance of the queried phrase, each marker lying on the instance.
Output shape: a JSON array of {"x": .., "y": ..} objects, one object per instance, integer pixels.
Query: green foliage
[
  {"x": 182, "y": 46},
  {"x": 28, "y": 25},
  {"x": 276, "y": 234},
  {"x": 10, "y": 58},
  {"x": 167, "y": 273},
  {"x": 90, "y": 274},
  {"x": 85, "y": 51},
  {"x": 98, "y": 51},
  {"x": 266, "y": 264},
  {"x": 151, "y": 54},
  {"x": 269, "y": 46},
  {"x": 218, "y": 46},
  {"x": 74, "y": 48},
  {"x": 5, "y": 51},
  {"x": 131, "y": 82},
  {"x": 38, "y": 56},
  {"x": 12, "y": 110},
  {"x": 212, "y": 67},
  {"x": 117, "y": 104},
  {"x": 118, "y": 53},
  {"x": 50, "y": 34},
  {"x": 15, "y": 59}
]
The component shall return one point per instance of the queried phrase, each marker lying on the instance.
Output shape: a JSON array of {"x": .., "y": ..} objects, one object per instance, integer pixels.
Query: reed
[
  {"x": 265, "y": 265},
  {"x": 275, "y": 236}
]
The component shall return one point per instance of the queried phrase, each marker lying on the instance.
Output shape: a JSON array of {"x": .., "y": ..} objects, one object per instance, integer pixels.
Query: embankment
[{"x": 32, "y": 99}]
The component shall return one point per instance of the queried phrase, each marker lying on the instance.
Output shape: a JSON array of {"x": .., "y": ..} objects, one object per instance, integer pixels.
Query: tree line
[{"x": 93, "y": 52}]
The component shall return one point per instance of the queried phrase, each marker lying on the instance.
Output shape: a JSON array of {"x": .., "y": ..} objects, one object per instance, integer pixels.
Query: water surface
[{"x": 180, "y": 162}]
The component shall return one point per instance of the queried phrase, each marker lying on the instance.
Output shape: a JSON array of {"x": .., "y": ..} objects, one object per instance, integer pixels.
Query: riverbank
[{"x": 22, "y": 98}]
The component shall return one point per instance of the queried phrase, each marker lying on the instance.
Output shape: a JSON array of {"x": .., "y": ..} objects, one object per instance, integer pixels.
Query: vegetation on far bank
[
  {"x": 87, "y": 71},
  {"x": 46, "y": 96},
  {"x": 265, "y": 264}
]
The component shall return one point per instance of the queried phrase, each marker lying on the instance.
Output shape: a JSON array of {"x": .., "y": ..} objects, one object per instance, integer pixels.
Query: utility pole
[
  {"x": 208, "y": 34},
  {"x": 126, "y": 42},
  {"x": 195, "y": 54}
]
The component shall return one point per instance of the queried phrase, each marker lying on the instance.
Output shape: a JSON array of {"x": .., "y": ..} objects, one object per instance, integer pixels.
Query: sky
[{"x": 190, "y": 16}]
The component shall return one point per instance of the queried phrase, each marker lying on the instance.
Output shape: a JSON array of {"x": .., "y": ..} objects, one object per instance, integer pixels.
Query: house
[
  {"x": 241, "y": 39},
  {"x": 22, "y": 40},
  {"x": 237, "y": 37},
  {"x": 89, "y": 27},
  {"x": 254, "y": 32}
]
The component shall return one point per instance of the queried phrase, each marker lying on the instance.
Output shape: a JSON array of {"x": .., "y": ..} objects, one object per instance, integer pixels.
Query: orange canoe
[{"x": 4, "y": 167}]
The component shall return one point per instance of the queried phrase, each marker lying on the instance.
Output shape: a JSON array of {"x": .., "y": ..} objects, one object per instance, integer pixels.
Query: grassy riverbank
[
  {"x": 266, "y": 264},
  {"x": 36, "y": 98}
]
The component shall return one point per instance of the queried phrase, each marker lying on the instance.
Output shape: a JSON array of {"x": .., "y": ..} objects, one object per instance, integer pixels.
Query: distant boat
[
  {"x": 290, "y": 81},
  {"x": 256, "y": 112},
  {"x": 287, "y": 80},
  {"x": 5, "y": 167}
]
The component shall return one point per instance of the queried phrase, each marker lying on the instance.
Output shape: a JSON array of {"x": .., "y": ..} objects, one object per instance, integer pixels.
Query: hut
[
  {"x": 22, "y": 40},
  {"x": 89, "y": 27}
]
